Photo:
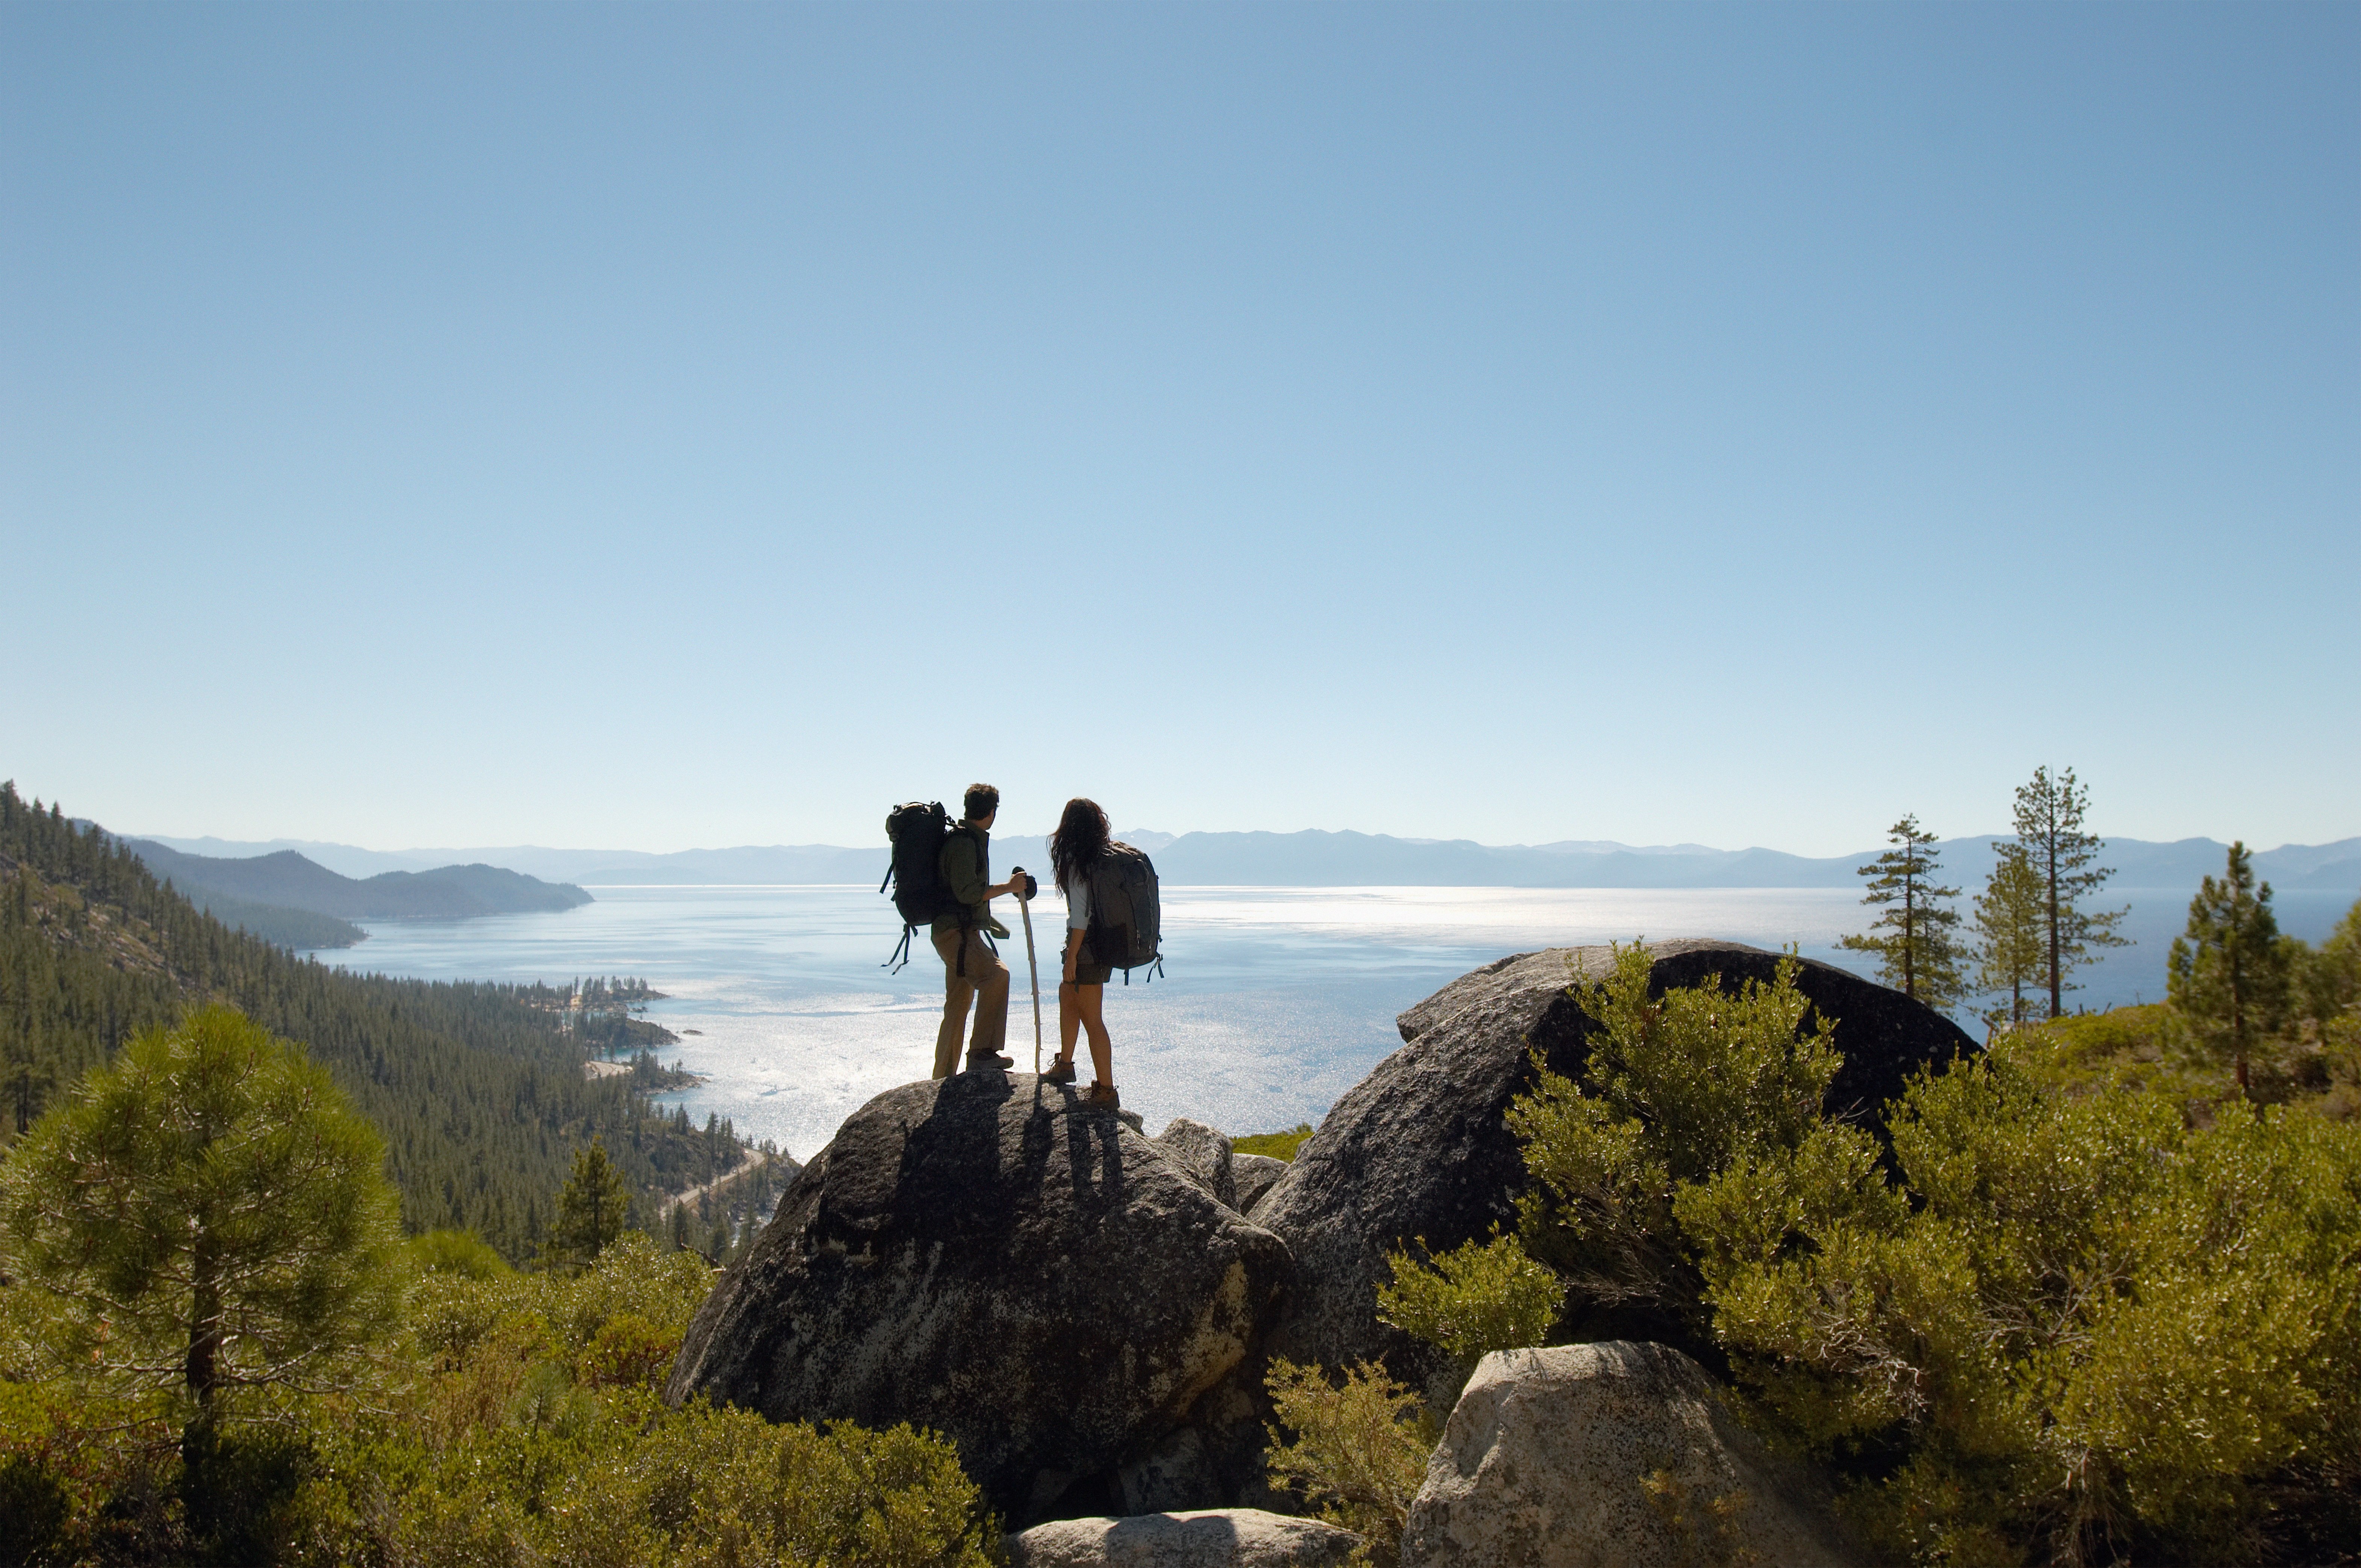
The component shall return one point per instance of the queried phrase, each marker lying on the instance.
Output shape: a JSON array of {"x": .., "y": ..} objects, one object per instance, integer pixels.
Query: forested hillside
[
  {"x": 276, "y": 924},
  {"x": 478, "y": 1089}
]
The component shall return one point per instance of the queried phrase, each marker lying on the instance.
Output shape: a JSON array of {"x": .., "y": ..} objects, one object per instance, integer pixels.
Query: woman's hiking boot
[
  {"x": 1060, "y": 1071},
  {"x": 1101, "y": 1097}
]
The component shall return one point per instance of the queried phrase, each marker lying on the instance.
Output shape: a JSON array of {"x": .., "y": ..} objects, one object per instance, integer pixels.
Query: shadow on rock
[{"x": 1036, "y": 1280}]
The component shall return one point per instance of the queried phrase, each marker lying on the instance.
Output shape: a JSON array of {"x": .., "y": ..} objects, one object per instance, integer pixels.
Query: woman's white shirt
[{"x": 1078, "y": 902}]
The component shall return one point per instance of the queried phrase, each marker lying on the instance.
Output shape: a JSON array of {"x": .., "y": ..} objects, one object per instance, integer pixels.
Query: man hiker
[{"x": 971, "y": 968}]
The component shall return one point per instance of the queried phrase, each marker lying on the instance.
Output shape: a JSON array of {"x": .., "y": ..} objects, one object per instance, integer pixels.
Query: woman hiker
[{"x": 1082, "y": 837}]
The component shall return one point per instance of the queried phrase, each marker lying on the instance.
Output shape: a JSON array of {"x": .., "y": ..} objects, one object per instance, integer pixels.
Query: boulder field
[{"x": 1087, "y": 1313}]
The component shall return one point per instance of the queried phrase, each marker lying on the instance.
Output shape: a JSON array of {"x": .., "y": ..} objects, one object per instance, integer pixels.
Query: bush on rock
[
  {"x": 1422, "y": 1154},
  {"x": 2063, "y": 1324},
  {"x": 1683, "y": 1092},
  {"x": 1359, "y": 1449}
]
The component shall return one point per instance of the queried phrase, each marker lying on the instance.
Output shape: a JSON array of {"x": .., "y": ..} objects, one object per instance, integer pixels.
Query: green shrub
[
  {"x": 533, "y": 1432},
  {"x": 637, "y": 1277},
  {"x": 36, "y": 1509},
  {"x": 1360, "y": 1447},
  {"x": 1473, "y": 1300},
  {"x": 722, "y": 1487},
  {"x": 516, "y": 1423},
  {"x": 2090, "y": 1320},
  {"x": 238, "y": 1491},
  {"x": 629, "y": 1349},
  {"x": 2114, "y": 1039},
  {"x": 86, "y": 1478},
  {"x": 2091, "y": 1328},
  {"x": 463, "y": 1253},
  {"x": 1679, "y": 1089}
]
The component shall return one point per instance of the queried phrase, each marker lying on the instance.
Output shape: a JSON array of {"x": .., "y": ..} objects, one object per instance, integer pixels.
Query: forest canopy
[{"x": 478, "y": 1089}]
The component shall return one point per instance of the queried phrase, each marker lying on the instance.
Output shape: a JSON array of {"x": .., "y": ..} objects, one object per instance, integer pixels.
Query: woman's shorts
[{"x": 1088, "y": 973}]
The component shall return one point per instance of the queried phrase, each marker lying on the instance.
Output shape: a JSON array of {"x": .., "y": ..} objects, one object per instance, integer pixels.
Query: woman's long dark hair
[{"x": 1081, "y": 838}]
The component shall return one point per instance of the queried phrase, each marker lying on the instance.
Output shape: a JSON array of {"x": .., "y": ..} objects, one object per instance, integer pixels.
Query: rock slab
[
  {"x": 1214, "y": 1538},
  {"x": 1611, "y": 1456},
  {"x": 1238, "y": 1179},
  {"x": 1204, "y": 1154},
  {"x": 986, "y": 1256},
  {"x": 1254, "y": 1175},
  {"x": 1420, "y": 1149}
]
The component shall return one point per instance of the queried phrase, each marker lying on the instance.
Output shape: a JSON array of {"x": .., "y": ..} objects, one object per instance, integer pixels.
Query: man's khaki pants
[{"x": 985, "y": 975}]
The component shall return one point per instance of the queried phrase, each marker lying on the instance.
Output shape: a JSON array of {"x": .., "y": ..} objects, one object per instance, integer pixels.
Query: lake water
[{"x": 1275, "y": 1001}]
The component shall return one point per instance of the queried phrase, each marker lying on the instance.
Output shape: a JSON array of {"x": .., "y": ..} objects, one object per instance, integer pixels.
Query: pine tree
[
  {"x": 1920, "y": 956},
  {"x": 2049, "y": 831},
  {"x": 2228, "y": 976},
  {"x": 207, "y": 1215},
  {"x": 591, "y": 1209},
  {"x": 2010, "y": 931},
  {"x": 2329, "y": 982}
]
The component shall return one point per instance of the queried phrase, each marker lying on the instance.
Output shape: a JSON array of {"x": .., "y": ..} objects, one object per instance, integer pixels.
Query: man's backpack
[
  {"x": 917, "y": 830},
  {"x": 1126, "y": 921}
]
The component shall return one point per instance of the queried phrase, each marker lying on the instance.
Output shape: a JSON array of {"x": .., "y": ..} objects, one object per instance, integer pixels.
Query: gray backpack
[{"x": 1127, "y": 923}]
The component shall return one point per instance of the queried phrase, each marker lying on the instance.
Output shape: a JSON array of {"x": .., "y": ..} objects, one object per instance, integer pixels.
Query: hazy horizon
[
  {"x": 1315, "y": 859},
  {"x": 189, "y": 843}
]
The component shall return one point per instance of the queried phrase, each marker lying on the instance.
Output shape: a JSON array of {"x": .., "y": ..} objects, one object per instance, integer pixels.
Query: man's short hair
[{"x": 982, "y": 800}]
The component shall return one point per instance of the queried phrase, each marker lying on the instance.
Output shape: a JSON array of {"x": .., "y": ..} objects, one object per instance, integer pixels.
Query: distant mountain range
[
  {"x": 286, "y": 897},
  {"x": 1312, "y": 857}
]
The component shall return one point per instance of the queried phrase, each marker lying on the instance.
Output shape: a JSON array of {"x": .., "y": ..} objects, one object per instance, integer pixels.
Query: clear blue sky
[{"x": 670, "y": 425}]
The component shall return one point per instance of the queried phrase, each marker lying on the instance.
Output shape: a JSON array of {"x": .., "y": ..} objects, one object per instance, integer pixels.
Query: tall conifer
[
  {"x": 2228, "y": 976},
  {"x": 1918, "y": 954},
  {"x": 2049, "y": 831},
  {"x": 591, "y": 1209},
  {"x": 2011, "y": 931}
]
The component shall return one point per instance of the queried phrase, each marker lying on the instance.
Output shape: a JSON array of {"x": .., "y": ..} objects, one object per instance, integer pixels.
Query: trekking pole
[{"x": 1025, "y": 905}]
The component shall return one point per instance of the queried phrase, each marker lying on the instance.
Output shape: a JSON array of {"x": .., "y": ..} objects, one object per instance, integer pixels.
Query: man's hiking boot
[
  {"x": 1101, "y": 1097},
  {"x": 984, "y": 1063},
  {"x": 1059, "y": 1072}
]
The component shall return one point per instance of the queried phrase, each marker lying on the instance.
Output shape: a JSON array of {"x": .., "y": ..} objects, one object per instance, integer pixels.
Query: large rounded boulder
[
  {"x": 1212, "y": 1537},
  {"x": 1034, "y": 1280},
  {"x": 1420, "y": 1149},
  {"x": 1613, "y": 1456}
]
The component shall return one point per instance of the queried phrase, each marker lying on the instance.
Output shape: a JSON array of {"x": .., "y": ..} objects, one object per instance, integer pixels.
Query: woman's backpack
[{"x": 1126, "y": 921}]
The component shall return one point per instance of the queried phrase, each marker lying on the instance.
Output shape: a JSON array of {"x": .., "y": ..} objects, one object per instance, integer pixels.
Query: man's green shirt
[{"x": 967, "y": 871}]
